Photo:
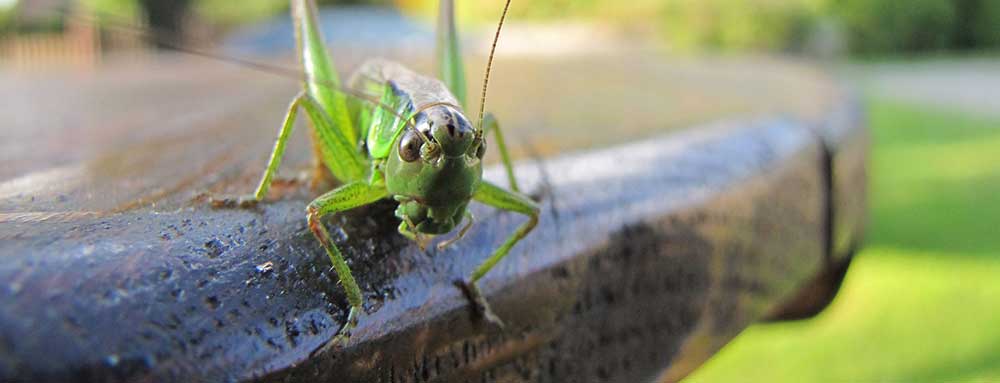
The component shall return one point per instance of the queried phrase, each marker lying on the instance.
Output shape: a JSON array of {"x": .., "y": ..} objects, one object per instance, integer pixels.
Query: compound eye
[
  {"x": 481, "y": 150},
  {"x": 409, "y": 146}
]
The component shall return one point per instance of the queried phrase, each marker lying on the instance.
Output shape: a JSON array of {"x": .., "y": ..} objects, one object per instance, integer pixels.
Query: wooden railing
[
  {"x": 649, "y": 257},
  {"x": 81, "y": 45}
]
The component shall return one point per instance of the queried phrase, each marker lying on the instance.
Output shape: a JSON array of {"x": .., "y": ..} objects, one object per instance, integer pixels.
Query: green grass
[{"x": 921, "y": 303}]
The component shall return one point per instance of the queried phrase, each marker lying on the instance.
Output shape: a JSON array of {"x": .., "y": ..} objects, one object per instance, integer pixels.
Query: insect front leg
[
  {"x": 408, "y": 229},
  {"x": 496, "y": 196},
  {"x": 336, "y": 152},
  {"x": 461, "y": 233},
  {"x": 490, "y": 124},
  {"x": 346, "y": 197}
]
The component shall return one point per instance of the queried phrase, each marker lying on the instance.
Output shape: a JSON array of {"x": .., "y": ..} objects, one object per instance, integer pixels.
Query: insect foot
[
  {"x": 233, "y": 202},
  {"x": 479, "y": 303},
  {"x": 444, "y": 244},
  {"x": 343, "y": 336},
  {"x": 422, "y": 241}
]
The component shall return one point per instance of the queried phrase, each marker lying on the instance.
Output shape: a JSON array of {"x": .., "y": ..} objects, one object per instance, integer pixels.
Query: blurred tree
[
  {"x": 985, "y": 24},
  {"x": 893, "y": 26},
  {"x": 5, "y": 19},
  {"x": 166, "y": 20},
  {"x": 867, "y": 26},
  {"x": 978, "y": 24},
  {"x": 35, "y": 16},
  {"x": 354, "y": 2},
  {"x": 772, "y": 25},
  {"x": 116, "y": 9},
  {"x": 965, "y": 32},
  {"x": 228, "y": 13}
]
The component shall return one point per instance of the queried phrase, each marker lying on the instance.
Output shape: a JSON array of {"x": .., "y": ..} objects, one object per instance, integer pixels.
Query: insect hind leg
[{"x": 490, "y": 124}]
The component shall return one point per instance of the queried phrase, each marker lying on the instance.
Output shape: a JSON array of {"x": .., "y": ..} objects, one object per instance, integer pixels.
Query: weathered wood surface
[
  {"x": 845, "y": 145},
  {"x": 649, "y": 257}
]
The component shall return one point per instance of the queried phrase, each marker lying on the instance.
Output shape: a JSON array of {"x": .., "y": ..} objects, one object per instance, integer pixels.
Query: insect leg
[
  {"x": 338, "y": 155},
  {"x": 449, "y": 56},
  {"x": 490, "y": 124},
  {"x": 321, "y": 80},
  {"x": 408, "y": 230},
  {"x": 496, "y": 196},
  {"x": 343, "y": 198}
]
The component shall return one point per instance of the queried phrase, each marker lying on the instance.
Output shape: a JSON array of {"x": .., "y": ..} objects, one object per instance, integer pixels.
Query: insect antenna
[
  {"x": 489, "y": 66},
  {"x": 278, "y": 70}
]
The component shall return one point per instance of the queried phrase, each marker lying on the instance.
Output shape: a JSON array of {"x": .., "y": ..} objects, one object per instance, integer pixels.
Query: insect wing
[{"x": 386, "y": 126}]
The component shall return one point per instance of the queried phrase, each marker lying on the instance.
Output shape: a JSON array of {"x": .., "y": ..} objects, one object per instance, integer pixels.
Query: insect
[{"x": 413, "y": 144}]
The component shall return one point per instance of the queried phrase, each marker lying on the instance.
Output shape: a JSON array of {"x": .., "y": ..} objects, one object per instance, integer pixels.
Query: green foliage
[
  {"x": 773, "y": 25},
  {"x": 5, "y": 19},
  {"x": 228, "y": 12},
  {"x": 115, "y": 10},
  {"x": 487, "y": 12},
  {"x": 879, "y": 26},
  {"x": 870, "y": 26},
  {"x": 985, "y": 24},
  {"x": 920, "y": 303}
]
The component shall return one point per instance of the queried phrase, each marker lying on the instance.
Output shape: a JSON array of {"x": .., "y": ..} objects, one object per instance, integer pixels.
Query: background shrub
[
  {"x": 773, "y": 25},
  {"x": 984, "y": 23},
  {"x": 893, "y": 26}
]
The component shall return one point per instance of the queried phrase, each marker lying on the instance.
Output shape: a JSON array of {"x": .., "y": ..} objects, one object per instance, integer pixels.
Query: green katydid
[{"x": 414, "y": 145}]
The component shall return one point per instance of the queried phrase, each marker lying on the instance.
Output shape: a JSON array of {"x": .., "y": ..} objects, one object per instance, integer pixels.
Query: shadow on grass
[{"x": 979, "y": 368}]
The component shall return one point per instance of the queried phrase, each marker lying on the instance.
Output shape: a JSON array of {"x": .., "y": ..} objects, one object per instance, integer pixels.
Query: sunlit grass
[{"x": 922, "y": 301}]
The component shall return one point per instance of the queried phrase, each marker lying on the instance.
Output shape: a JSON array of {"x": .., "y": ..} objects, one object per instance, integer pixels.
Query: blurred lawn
[{"x": 922, "y": 301}]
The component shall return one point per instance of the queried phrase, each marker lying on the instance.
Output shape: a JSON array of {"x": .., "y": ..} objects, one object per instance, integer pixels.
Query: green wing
[
  {"x": 386, "y": 127},
  {"x": 448, "y": 54}
]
